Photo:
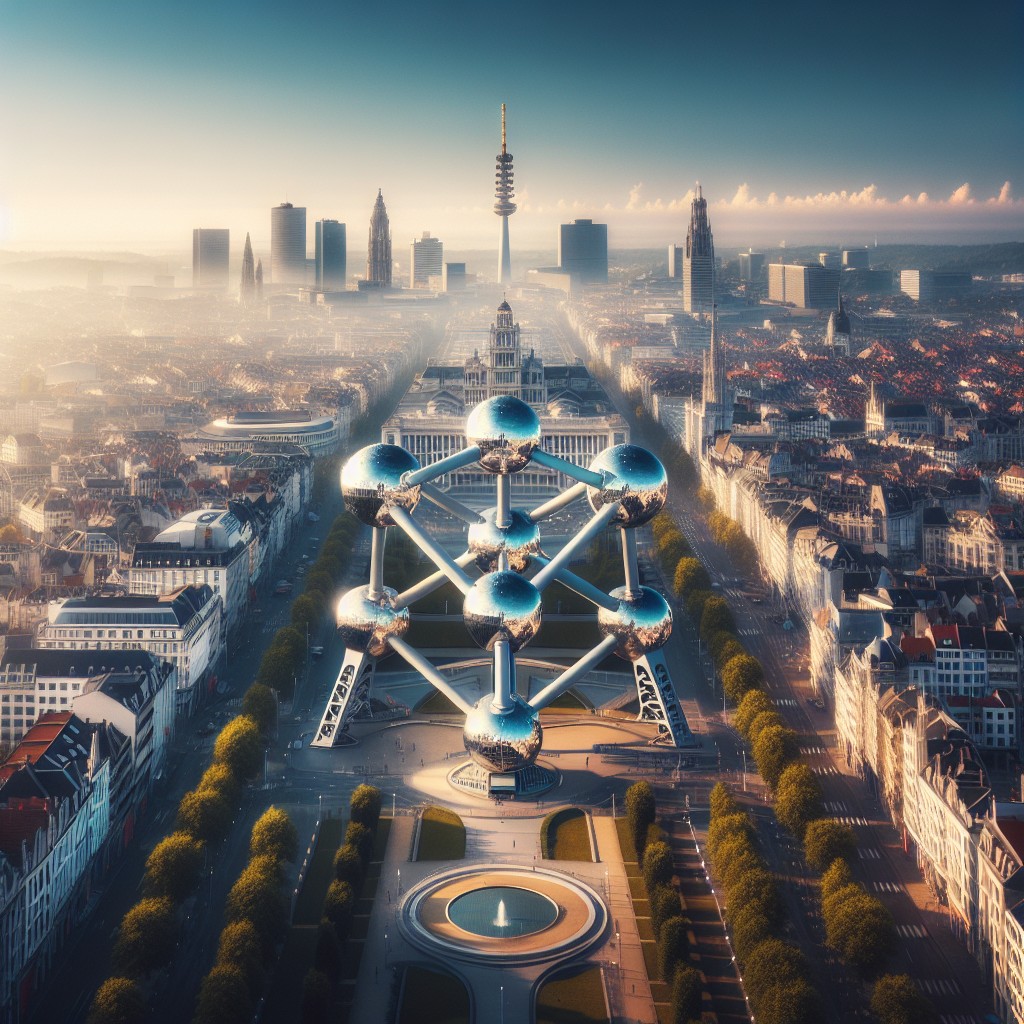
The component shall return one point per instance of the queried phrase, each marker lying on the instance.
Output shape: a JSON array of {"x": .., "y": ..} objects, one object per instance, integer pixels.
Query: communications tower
[{"x": 504, "y": 190}]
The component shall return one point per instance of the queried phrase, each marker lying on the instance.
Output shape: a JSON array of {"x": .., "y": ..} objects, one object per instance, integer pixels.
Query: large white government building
[
  {"x": 242, "y": 431},
  {"x": 577, "y": 418}
]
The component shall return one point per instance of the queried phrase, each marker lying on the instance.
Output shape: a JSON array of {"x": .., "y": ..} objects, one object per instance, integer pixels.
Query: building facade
[
  {"x": 583, "y": 251},
  {"x": 699, "y": 259},
  {"x": 210, "y": 251},
  {"x": 426, "y": 260},
  {"x": 378, "y": 252},
  {"x": 288, "y": 245},
  {"x": 331, "y": 256}
]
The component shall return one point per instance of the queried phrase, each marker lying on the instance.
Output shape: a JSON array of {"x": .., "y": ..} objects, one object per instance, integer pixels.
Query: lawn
[
  {"x": 565, "y": 835},
  {"x": 433, "y": 997},
  {"x": 573, "y": 999},
  {"x": 442, "y": 835}
]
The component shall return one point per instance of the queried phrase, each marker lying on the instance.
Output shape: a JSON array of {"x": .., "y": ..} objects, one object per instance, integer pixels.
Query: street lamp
[
  {"x": 501, "y": 1004},
  {"x": 399, "y": 881},
  {"x": 392, "y": 805}
]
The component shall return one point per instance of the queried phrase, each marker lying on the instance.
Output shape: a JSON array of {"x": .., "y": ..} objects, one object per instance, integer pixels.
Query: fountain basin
[{"x": 502, "y": 911}]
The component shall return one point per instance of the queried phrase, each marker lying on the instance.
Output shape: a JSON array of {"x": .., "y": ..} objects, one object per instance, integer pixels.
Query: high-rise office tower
[
  {"x": 426, "y": 260},
  {"x": 807, "y": 287},
  {"x": 699, "y": 259},
  {"x": 583, "y": 251},
  {"x": 378, "y": 253},
  {"x": 210, "y": 257},
  {"x": 247, "y": 290},
  {"x": 331, "y": 256},
  {"x": 675, "y": 262},
  {"x": 259, "y": 279},
  {"x": 504, "y": 190},
  {"x": 288, "y": 244},
  {"x": 751, "y": 265}
]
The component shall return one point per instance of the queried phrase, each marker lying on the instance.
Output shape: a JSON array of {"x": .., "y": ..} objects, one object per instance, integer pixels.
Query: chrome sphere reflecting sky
[
  {"x": 507, "y": 431},
  {"x": 502, "y": 606},
  {"x": 642, "y": 622},
  {"x": 502, "y": 742},
  {"x": 371, "y": 483},
  {"x": 519, "y": 540},
  {"x": 365, "y": 624},
  {"x": 633, "y": 476}
]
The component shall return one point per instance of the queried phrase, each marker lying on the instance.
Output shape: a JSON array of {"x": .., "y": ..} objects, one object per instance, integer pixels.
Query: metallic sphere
[
  {"x": 502, "y": 606},
  {"x": 366, "y": 624},
  {"x": 507, "y": 431},
  {"x": 633, "y": 476},
  {"x": 502, "y": 742},
  {"x": 371, "y": 482},
  {"x": 519, "y": 540},
  {"x": 642, "y": 622}
]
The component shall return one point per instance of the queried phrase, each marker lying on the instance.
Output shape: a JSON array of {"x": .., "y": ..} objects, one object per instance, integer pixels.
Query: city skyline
[{"x": 155, "y": 124}]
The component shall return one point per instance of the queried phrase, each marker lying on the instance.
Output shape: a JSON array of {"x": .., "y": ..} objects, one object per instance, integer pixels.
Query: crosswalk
[
  {"x": 912, "y": 931},
  {"x": 814, "y": 750},
  {"x": 750, "y": 632},
  {"x": 836, "y": 807},
  {"x": 786, "y": 702},
  {"x": 827, "y": 769},
  {"x": 939, "y": 986},
  {"x": 868, "y": 853},
  {"x": 846, "y": 819},
  {"x": 887, "y": 887}
]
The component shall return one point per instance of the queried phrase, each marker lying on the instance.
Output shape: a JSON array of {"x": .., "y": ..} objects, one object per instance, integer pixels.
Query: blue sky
[{"x": 133, "y": 122}]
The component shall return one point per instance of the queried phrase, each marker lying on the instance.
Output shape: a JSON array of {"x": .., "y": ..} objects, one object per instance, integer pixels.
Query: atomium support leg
[
  {"x": 658, "y": 701},
  {"x": 350, "y": 690}
]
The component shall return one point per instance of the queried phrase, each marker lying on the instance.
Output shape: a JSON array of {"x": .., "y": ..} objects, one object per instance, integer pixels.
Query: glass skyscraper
[{"x": 331, "y": 256}]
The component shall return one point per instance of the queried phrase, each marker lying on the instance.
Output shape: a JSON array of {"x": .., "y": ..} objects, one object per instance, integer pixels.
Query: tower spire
[
  {"x": 504, "y": 190},
  {"x": 503, "y": 149}
]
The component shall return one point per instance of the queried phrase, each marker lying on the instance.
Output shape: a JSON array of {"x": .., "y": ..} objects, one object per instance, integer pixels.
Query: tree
[
  {"x": 672, "y": 946},
  {"x": 896, "y": 1000},
  {"x": 673, "y": 548},
  {"x": 240, "y": 947},
  {"x": 657, "y": 865},
  {"x": 742, "y": 674},
  {"x": 278, "y": 670},
  {"x": 348, "y": 866},
  {"x": 292, "y": 641},
  {"x": 753, "y": 703},
  {"x": 723, "y": 647},
  {"x": 687, "y": 992},
  {"x": 706, "y": 497},
  {"x": 256, "y": 896},
  {"x": 773, "y": 962},
  {"x": 117, "y": 1001},
  {"x": 306, "y": 614},
  {"x": 793, "y": 1003},
  {"x": 797, "y": 799},
  {"x": 722, "y": 801},
  {"x": 837, "y": 876},
  {"x": 360, "y": 838},
  {"x": 762, "y": 722},
  {"x": 716, "y": 617},
  {"x": 10, "y": 534},
  {"x": 260, "y": 704},
  {"x": 862, "y": 931},
  {"x": 727, "y": 826},
  {"x": 695, "y": 601},
  {"x": 825, "y": 840},
  {"x": 275, "y": 834},
  {"x": 240, "y": 747},
  {"x": 736, "y": 857},
  {"x": 364, "y": 806},
  {"x": 664, "y": 903},
  {"x": 328, "y": 950},
  {"x": 205, "y": 814},
  {"x": 147, "y": 937},
  {"x": 339, "y": 905},
  {"x": 750, "y": 927},
  {"x": 315, "y": 1005},
  {"x": 640, "y": 813},
  {"x": 756, "y": 887},
  {"x": 224, "y": 997},
  {"x": 774, "y": 749},
  {"x": 172, "y": 869},
  {"x": 221, "y": 779},
  {"x": 689, "y": 576},
  {"x": 321, "y": 581}
]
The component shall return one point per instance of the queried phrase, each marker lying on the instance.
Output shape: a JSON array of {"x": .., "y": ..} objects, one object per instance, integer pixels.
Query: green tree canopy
[
  {"x": 306, "y": 614},
  {"x": 147, "y": 937},
  {"x": 750, "y": 927},
  {"x": 837, "y": 876},
  {"x": 774, "y": 750},
  {"x": 664, "y": 903},
  {"x": 256, "y": 896},
  {"x": 896, "y": 1000},
  {"x": 689, "y": 576},
  {"x": 240, "y": 747},
  {"x": 794, "y": 1003},
  {"x": 224, "y": 997},
  {"x": 221, "y": 779},
  {"x": 773, "y": 962},
  {"x": 798, "y": 798},
  {"x": 360, "y": 838},
  {"x": 205, "y": 814},
  {"x": 672, "y": 946},
  {"x": 315, "y": 1003},
  {"x": 328, "y": 957},
  {"x": 723, "y": 647},
  {"x": 348, "y": 866},
  {"x": 172, "y": 869},
  {"x": 364, "y": 806},
  {"x": 275, "y": 834},
  {"x": 740, "y": 675},
  {"x": 754, "y": 702},
  {"x": 756, "y": 887},
  {"x": 861, "y": 929},
  {"x": 118, "y": 1001},
  {"x": 657, "y": 865},
  {"x": 687, "y": 991},
  {"x": 695, "y": 601},
  {"x": 339, "y": 906},
  {"x": 727, "y": 826},
  {"x": 716, "y": 617},
  {"x": 640, "y": 813},
  {"x": 722, "y": 800},
  {"x": 825, "y": 840},
  {"x": 260, "y": 704},
  {"x": 761, "y": 722},
  {"x": 240, "y": 947},
  {"x": 278, "y": 669}
]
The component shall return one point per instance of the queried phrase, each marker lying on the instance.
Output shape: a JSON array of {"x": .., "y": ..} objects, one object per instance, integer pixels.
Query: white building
[
  {"x": 244, "y": 431},
  {"x": 182, "y": 628},
  {"x": 426, "y": 260}
]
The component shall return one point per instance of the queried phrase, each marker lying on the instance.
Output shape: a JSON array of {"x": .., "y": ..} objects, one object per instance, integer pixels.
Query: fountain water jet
[{"x": 501, "y": 921}]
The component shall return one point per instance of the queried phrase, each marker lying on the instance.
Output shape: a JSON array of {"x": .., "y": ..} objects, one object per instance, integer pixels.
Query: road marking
[
  {"x": 836, "y": 807},
  {"x": 868, "y": 853},
  {"x": 887, "y": 887},
  {"x": 912, "y": 931}
]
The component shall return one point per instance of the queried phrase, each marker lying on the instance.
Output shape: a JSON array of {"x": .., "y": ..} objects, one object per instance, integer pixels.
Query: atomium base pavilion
[{"x": 626, "y": 486}]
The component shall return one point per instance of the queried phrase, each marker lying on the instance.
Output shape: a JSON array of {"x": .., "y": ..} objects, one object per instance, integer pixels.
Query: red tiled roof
[
  {"x": 35, "y": 742},
  {"x": 19, "y": 822},
  {"x": 915, "y": 646}
]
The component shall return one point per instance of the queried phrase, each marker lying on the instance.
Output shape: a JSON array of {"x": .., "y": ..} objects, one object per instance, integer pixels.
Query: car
[
  {"x": 316, "y": 651},
  {"x": 757, "y": 600}
]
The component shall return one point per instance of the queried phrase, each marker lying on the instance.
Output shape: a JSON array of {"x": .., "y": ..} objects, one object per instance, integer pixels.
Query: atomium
[
  {"x": 626, "y": 487},
  {"x": 519, "y": 541},
  {"x": 634, "y": 478},
  {"x": 503, "y": 741},
  {"x": 502, "y": 606},
  {"x": 507, "y": 432},
  {"x": 641, "y": 623},
  {"x": 366, "y": 623},
  {"x": 372, "y": 484}
]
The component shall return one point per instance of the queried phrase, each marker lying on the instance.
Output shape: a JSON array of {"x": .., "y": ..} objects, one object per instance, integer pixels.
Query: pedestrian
[
  {"x": 513, "y": 844},
  {"x": 389, "y": 895},
  {"x": 586, "y": 763}
]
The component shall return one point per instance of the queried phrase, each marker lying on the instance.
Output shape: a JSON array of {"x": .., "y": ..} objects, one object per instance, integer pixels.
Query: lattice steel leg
[
  {"x": 349, "y": 692},
  {"x": 658, "y": 701}
]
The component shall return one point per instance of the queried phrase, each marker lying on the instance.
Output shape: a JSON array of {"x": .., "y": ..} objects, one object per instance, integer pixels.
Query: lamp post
[
  {"x": 392, "y": 805},
  {"x": 501, "y": 1004}
]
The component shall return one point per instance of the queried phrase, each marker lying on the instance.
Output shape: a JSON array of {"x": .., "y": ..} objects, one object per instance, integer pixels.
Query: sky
[{"x": 126, "y": 124}]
